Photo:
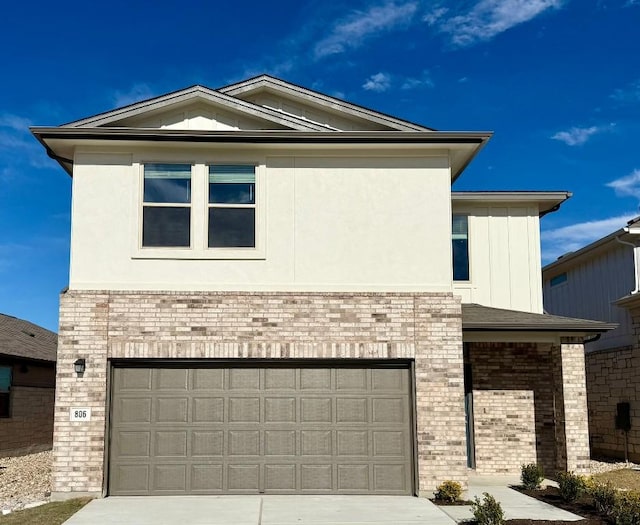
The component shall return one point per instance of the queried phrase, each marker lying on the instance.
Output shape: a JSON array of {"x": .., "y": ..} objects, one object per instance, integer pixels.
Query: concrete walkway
[
  {"x": 257, "y": 510},
  {"x": 514, "y": 504}
]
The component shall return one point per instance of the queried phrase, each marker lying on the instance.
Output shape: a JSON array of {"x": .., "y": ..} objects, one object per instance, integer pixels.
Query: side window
[
  {"x": 460, "y": 247},
  {"x": 559, "y": 279},
  {"x": 5, "y": 391},
  {"x": 232, "y": 206},
  {"x": 166, "y": 208}
]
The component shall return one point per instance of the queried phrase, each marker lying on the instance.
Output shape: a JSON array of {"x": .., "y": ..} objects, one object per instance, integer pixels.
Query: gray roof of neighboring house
[
  {"x": 19, "y": 338},
  {"x": 483, "y": 318}
]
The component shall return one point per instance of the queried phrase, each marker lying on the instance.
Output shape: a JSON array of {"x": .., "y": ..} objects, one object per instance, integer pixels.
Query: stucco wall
[{"x": 351, "y": 221}]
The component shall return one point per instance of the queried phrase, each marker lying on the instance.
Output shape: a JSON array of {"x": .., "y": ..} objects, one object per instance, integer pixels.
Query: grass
[
  {"x": 54, "y": 513},
  {"x": 625, "y": 478}
]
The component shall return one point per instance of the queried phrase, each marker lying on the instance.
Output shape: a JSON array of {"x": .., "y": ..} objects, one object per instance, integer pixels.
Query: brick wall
[
  {"x": 512, "y": 406},
  {"x": 613, "y": 376},
  {"x": 30, "y": 427},
  {"x": 101, "y": 325}
]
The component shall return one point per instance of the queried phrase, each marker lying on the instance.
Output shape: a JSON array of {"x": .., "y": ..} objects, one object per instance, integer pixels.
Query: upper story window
[
  {"x": 232, "y": 206},
  {"x": 5, "y": 391},
  {"x": 460, "y": 247},
  {"x": 558, "y": 279},
  {"x": 166, "y": 214}
]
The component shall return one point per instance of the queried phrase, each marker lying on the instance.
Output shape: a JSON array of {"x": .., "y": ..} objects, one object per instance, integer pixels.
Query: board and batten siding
[
  {"x": 593, "y": 284},
  {"x": 504, "y": 257},
  {"x": 354, "y": 220}
]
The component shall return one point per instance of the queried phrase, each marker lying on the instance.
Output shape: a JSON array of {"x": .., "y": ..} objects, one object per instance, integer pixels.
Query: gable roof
[
  {"x": 193, "y": 94},
  {"x": 264, "y": 82},
  {"x": 20, "y": 338}
]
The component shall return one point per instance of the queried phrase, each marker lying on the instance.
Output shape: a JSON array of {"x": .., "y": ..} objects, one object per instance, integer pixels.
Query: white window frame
[
  {"x": 462, "y": 281},
  {"x": 199, "y": 217}
]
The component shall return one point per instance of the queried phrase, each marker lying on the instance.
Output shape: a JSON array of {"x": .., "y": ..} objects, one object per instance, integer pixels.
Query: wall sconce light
[{"x": 79, "y": 366}]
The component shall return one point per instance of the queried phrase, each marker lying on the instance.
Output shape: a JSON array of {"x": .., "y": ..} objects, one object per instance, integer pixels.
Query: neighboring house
[
  {"x": 600, "y": 281},
  {"x": 27, "y": 386},
  {"x": 266, "y": 287}
]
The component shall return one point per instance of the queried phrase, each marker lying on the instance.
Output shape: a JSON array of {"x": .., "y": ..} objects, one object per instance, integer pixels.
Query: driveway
[{"x": 260, "y": 510}]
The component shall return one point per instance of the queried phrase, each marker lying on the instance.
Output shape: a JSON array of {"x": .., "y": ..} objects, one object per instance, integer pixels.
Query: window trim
[{"x": 199, "y": 249}]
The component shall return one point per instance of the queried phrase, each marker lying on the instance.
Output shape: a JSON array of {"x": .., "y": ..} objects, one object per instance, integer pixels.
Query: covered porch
[{"x": 525, "y": 390}]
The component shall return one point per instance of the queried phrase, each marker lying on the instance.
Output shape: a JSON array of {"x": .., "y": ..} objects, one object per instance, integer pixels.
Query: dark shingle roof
[
  {"x": 21, "y": 338},
  {"x": 477, "y": 318}
]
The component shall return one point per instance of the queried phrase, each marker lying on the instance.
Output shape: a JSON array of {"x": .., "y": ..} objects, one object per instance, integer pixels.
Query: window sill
[{"x": 203, "y": 254}]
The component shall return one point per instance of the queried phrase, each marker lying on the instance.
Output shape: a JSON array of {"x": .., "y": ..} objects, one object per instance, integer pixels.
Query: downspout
[{"x": 636, "y": 287}]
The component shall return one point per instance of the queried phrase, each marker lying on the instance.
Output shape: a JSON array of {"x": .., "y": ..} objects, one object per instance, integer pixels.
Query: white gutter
[{"x": 636, "y": 287}]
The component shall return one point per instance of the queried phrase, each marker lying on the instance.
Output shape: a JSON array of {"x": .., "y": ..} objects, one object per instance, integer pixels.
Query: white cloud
[
  {"x": 135, "y": 93},
  {"x": 628, "y": 94},
  {"x": 627, "y": 186},
  {"x": 576, "y": 136},
  {"x": 489, "y": 18},
  {"x": 435, "y": 15},
  {"x": 16, "y": 122},
  {"x": 414, "y": 83},
  {"x": 558, "y": 241},
  {"x": 379, "y": 82},
  {"x": 350, "y": 32}
]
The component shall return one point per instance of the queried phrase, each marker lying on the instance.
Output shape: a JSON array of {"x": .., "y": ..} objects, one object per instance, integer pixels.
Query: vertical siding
[
  {"x": 592, "y": 286},
  {"x": 504, "y": 257}
]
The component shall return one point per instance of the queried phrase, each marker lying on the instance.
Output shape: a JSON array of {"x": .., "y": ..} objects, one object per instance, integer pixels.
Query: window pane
[
  {"x": 167, "y": 183},
  {"x": 232, "y": 227},
  {"x": 4, "y": 404},
  {"x": 232, "y": 173},
  {"x": 232, "y": 193},
  {"x": 5, "y": 378},
  {"x": 460, "y": 260},
  {"x": 166, "y": 226}
]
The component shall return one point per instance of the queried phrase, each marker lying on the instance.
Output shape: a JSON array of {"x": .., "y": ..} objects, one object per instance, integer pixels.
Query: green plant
[
  {"x": 449, "y": 491},
  {"x": 627, "y": 508},
  {"x": 487, "y": 511},
  {"x": 531, "y": 476},
  {"x": 571, "y": 485},
  {"x": 604, "y": 497}
]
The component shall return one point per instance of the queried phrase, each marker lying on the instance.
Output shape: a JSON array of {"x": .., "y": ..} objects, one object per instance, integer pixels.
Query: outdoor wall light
[{"x": 79, "y": 366}]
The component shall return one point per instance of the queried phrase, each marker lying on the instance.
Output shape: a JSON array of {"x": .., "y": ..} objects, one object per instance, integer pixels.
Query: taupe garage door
[{"x": 278, "y": 430}]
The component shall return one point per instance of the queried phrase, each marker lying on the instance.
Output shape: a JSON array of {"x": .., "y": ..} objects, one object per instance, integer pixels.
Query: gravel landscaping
[{"x": 24, "y": 479}]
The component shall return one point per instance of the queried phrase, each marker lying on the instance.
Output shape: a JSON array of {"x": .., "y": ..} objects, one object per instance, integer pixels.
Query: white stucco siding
[
  {"x": 361, "y": 223},
  {"x": 593, "y": 283},
  {"x": 504, "y": 257}
]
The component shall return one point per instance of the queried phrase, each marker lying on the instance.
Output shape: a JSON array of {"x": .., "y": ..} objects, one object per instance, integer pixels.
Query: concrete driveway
[{"x": 260, "y": 510}]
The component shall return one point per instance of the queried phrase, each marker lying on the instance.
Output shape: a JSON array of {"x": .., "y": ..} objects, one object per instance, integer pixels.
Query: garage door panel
[
  {"x": 207, "y": 443},
  {"x": 207, "y": 479},
  {"x": 282, "y": 429},
  {"x": 244, "y": 410},
  {"x": 171, "y": 410},
  {"x": 172, "y": 478},
  {"x": 171, "y": 379},
  {"x": 170, "y": 444},
  {"x": 207, "y": 410}
]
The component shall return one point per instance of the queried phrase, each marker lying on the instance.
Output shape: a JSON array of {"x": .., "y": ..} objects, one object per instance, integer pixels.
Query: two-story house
[
  {"x": 276, "y": 291},
  {"x": 602, "y": 281}
]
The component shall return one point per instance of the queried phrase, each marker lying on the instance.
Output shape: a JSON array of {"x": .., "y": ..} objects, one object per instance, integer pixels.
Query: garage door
[{"x": 273, "y": 430}]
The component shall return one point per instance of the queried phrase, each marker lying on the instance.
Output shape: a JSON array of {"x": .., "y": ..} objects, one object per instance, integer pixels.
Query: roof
[
  {"x": 547, "y": 201},
  {"x": 563, "y": 261},
  {"x": 483, "y": 318},
  {"x": 19, "y": 338}
]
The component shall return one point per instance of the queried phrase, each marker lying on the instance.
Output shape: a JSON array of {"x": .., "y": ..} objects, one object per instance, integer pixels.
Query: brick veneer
[
  {"x": 99, "y": 325},
  {"x": 30, "y": 427},
  {"x": 613, "y": 376},
  {"x": 529, "y": 406}
]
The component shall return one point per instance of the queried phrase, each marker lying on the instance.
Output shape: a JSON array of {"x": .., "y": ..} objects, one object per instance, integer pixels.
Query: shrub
[
  {"x": 627, "y": 508},
  {"x": 571, "y": 485},
  {"x": 488, "y": 511},
  {"x": 531, "y": 476},
  {"x": 604, "y": 497},
  {"x": 449, "y": 491}
]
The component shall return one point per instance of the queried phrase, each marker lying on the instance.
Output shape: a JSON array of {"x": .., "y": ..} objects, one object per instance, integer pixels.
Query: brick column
[
  {"x": 78, "y": 447},
  {"x": 572, "y": 425},
  {"x": 439, "y": 379}
]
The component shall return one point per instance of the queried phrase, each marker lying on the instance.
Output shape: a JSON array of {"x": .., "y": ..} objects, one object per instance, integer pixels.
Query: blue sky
[{"x": 558, "y": 81}]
